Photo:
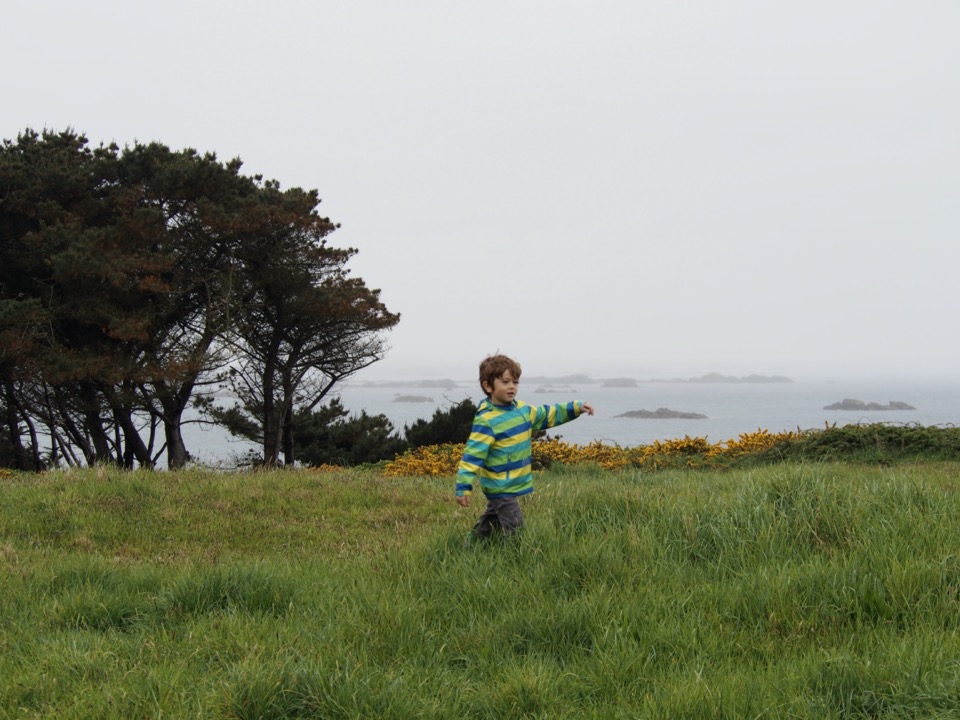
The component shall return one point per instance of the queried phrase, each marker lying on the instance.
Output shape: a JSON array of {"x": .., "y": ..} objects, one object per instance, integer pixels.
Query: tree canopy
[{"x": 135, "y": 281}]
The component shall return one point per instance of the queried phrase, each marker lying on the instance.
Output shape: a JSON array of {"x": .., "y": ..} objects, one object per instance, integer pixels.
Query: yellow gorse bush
[
  {"x": 426, "y": 460},
  {"x": 609, "y": 457},
  {"x": 755, "y": 442},
  {"x": 440, "y": 460}
]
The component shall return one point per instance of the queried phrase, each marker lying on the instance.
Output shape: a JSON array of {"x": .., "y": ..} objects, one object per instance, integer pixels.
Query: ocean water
[{"x": 732, "y": 409}]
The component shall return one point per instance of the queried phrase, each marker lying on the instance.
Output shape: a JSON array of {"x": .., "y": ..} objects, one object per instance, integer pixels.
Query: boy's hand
[
  {"x": 463, "y": 501},
  {"x": 587, "y": 408}
]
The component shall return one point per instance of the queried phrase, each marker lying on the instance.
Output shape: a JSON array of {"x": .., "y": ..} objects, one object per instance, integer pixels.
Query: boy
[{"x": 498, "y": 450}]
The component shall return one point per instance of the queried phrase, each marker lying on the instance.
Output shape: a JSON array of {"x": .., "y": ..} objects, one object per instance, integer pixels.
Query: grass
[{"x": 795, "y": 590}]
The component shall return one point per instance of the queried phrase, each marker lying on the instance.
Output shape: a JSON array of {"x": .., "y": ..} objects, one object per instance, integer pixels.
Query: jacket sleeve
[
  {"x": 548, "y": 416},
  {"x": 474, "y": 456}
]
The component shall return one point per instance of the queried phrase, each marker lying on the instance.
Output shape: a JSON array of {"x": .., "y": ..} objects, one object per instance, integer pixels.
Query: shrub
[
  {"x": 452, "y": 425},
  {"x": 328, "y": 437},
  {"x": 873, "y": 442},
  {"x": 435, "y": 460},
  {"x": 854, "y": 443}
]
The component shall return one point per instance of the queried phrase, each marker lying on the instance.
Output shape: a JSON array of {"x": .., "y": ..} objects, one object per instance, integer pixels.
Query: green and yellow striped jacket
[{"x": 498, "y": 449}]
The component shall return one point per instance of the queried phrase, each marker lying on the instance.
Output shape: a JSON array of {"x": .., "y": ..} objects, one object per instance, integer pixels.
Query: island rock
[
  {"x": 850, "y": 404},
  {"x": 662, "y": 413},
  {"x": 553, "y": 389},
  {"x": 619, "y": 383}
]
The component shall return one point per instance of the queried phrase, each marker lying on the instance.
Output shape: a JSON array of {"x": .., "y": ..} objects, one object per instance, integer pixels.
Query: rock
[
  {"x": 662, "y": 413},
  {"x": 851, "y": 404},
  {"x": 619, "y": 383},
  {"x": 553, "y": 389},
  {"x": 413, "y": 399}
]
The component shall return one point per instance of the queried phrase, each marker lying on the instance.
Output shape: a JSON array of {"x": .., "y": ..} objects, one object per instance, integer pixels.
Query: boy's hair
[{"x": 494, "y": 366}]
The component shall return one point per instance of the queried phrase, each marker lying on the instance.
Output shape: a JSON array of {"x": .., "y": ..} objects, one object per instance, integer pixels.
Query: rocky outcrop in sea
[
  {"x": 662, "y": 414},
  {"x": 850, "y": 404}
]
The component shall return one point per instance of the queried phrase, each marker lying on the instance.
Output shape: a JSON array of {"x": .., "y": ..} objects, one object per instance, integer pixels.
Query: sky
[{"x": 646, "y": 188}]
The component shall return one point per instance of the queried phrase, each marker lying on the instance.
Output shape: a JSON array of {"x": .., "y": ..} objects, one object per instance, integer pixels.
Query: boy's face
[{"x": 503, "y": 390}]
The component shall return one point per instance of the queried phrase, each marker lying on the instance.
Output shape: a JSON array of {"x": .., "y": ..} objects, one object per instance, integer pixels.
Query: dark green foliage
[
  {"x": 329, "y": 437},
  {"x": 873, "y": 443},
  {"x": 447, "y": 426}
]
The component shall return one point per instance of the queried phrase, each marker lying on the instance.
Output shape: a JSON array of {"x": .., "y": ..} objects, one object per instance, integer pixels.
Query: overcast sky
[{"x": 647, "y": 188}]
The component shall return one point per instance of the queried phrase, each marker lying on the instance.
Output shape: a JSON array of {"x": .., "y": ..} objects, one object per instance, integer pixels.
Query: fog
[{"x": 649, "y": 189}]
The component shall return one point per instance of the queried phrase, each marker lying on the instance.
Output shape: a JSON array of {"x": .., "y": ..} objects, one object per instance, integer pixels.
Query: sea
[{"x": 731, "y": 408}]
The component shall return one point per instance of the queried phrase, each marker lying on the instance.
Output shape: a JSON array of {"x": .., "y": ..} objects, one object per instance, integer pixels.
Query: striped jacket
[{"x": 498, "y": 449}]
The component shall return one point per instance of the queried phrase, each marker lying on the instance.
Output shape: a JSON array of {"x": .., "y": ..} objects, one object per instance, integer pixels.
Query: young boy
[{"x": 498, "y": 450}]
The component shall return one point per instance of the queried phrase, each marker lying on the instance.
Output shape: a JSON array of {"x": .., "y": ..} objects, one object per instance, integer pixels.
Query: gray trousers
[{"x": 503, "y": 513}]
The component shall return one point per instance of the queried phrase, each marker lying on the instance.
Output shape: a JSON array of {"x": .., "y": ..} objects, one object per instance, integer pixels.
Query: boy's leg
[
  {"x": 503, "y": 513},
  {"x": 509, "y": 515},
  {"x": 487, "y": 521}
]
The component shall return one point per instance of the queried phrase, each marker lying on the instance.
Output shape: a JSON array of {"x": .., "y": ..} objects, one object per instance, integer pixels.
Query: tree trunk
[
  {"x": 59, "y": 417},
  {"x": 177, "y": 455},
  {"x": 286, "y": 419},
  {"x": 174, "y": 404},
  {"x": 288, "y": 449},
  {"x": 21, "y": 459},
  {"x": 93, "y": 424},
  {"x": 134, "y": 449},
  {"x": 271, "y": 436}
]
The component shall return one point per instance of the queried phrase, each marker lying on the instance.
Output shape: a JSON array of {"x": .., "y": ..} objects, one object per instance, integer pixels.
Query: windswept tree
[
  {"x": 129, "y": 279},
  {"x": 302, "y": 324},
  {"x": 200, "y": 208},
  {"x": 125, "y": 257}
]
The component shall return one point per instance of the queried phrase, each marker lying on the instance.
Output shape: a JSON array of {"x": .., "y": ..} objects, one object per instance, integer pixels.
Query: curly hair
[{"x": 495, "y": 366}]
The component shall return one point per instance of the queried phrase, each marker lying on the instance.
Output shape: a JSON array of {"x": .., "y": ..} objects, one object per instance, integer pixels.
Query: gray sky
[{"x": 647, "y": 188}]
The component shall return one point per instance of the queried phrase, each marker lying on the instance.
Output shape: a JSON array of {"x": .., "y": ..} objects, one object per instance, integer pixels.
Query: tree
[
  {"x": 302, "y": 325},
  {"x": 452, "y": 425},
  {"x": 200, "y": 205},
  {"x": 129, "y": 280},
  {"x": 123, "y": 253}
]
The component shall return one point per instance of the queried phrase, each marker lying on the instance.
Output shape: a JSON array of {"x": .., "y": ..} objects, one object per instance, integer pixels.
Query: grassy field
[{"x": 817, "y": 590}]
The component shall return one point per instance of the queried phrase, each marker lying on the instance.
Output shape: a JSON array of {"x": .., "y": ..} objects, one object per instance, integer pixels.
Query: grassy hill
[{"x": 800, "y": 590}]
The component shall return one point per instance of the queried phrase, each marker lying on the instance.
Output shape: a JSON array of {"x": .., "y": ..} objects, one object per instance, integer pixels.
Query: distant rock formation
[
  {"x": 619, "y": 383},
  {"x": 413, "y": 399},
  {"x": 718, "y": 378},
  {"x": 662, "y": 413},
  {"x": 850, "y": 404},
  {"x": 555, "y": 389}
]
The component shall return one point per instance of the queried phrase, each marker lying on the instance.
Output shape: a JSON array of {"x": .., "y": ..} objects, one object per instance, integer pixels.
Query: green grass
[{"x": 786, "y": 591}]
